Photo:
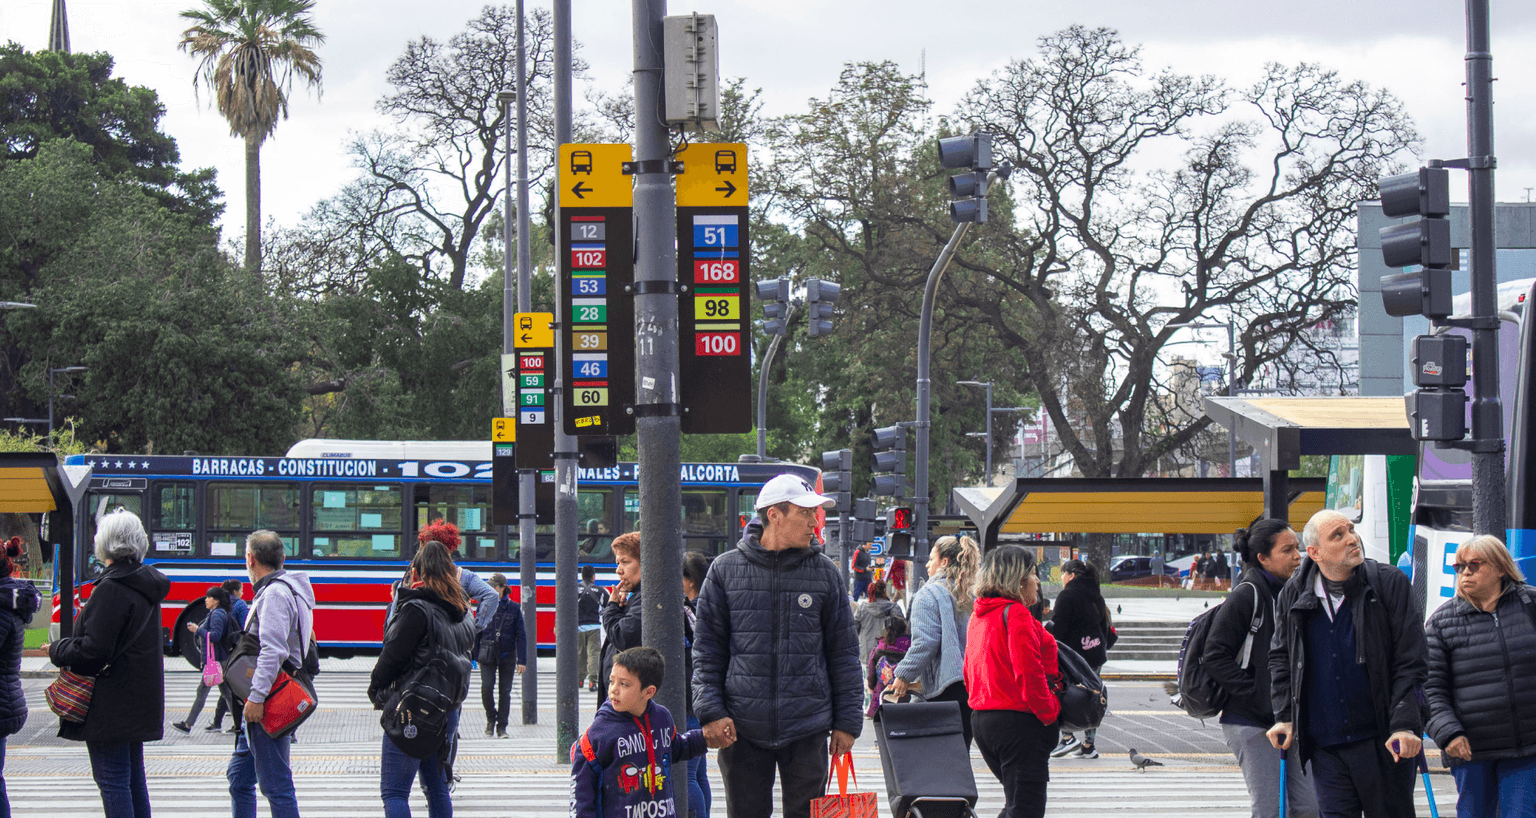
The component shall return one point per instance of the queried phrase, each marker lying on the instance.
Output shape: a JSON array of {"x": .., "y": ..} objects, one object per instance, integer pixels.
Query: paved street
[{"x": 336, "y": 762}]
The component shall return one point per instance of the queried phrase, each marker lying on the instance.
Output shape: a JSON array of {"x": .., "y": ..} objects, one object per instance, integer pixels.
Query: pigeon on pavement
[{"x": 1141, "y": 762}]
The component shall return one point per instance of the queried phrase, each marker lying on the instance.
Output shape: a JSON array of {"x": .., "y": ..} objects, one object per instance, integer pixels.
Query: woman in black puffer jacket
[
  {"x": 18, "y": 601},
  {"x": 1482, "y": 682},
  {"x": 1080, "y": 621}
]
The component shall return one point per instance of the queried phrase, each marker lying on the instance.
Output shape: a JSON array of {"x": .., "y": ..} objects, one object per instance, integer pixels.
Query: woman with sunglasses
[{"x": 1482, "y": 682}]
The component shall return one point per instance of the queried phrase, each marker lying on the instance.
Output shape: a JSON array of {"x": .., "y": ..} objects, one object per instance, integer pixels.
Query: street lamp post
[
  {"x": 1231, "y": 356},
  {"x": 988, "y": 433}
]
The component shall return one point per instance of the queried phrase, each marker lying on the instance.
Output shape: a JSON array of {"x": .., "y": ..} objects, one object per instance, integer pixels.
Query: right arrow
[
  {"x": 579, "y": 190},
  {"x": 729, "y": 188}
]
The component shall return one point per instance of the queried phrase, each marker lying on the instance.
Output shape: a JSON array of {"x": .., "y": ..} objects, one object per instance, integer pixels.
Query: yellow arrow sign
[
  {"x": 532, "y": 330},
  {"x": 503, "y": 430},
  {"x": 592, "y": 175},
  {"x": 714, "y": 174}
]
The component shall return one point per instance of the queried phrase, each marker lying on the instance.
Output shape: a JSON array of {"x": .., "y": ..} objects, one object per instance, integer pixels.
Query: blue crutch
[
  {"x": 1429, "y": 794},
  {"x": 1283, "y": 754}
]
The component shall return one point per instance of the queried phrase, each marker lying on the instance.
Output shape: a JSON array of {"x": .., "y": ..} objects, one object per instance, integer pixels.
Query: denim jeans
[
  {"x": 397, "y": 770},
  {"x": 698, "y": 779},
  {"x": 118, "y": 767},
  {"x": 259, "y": 758},
  {"x": 496, "y": 689},
  {"x": 1505, "y": 787}
]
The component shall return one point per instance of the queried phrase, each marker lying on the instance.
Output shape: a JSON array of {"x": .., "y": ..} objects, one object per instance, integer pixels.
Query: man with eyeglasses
[
  {"x": 775, "y": 657},
  {"x": 1345, "y": 666}
]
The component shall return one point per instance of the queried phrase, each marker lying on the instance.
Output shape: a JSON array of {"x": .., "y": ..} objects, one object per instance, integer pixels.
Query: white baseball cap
[{"x": 787, "y": 488}]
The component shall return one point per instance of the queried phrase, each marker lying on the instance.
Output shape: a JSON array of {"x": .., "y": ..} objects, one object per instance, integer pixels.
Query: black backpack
[
  {"x": 417, "y": 707},
  {"x": 1198, "y": 694},
  {"x": 232, "y": 633}
]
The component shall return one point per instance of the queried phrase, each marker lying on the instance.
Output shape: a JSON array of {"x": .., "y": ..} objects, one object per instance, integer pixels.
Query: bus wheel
[{"x": 183, "y": 642}]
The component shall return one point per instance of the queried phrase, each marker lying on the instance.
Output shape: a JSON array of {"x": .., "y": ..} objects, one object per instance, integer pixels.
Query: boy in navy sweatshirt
[{"x": 622, "y": 766}]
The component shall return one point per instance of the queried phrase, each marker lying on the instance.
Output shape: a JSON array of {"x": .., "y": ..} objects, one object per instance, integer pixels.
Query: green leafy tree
[
  {"x": 249, "y": 52},
  {"x": 185, "y": 350}
]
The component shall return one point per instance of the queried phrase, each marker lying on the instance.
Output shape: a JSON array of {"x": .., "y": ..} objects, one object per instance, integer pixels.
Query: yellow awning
[
  {"x": 25, "y": 490},
  {"x": 1145, "y": 510}
]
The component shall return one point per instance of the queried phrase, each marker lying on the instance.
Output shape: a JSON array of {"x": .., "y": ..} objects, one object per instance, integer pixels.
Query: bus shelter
[
  {"x": 1121, "y": 505},
  {"x": 35, "y": 483},
  {"x": 1282, "y": 430}
]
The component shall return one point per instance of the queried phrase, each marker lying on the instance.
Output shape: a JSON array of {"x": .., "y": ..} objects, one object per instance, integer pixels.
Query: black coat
[
  {"x": 774, "y": 646},
  {"x": 1389, "y": 642},
  {"x": 18, "y": 601},
  {"x": 621, "y": 631},
  {"x": 1247, "y": 690},
  {"x": 1482, "y": 676},
  {"x": 129, "y": 700},
  {"x": 506, "y": 630},
  {"x": 424, "y": 627},
  {"x": 1078, "y": 620}
]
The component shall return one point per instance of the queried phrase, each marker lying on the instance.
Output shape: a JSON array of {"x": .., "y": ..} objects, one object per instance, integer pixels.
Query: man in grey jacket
[{"x": 282, "y": 618}]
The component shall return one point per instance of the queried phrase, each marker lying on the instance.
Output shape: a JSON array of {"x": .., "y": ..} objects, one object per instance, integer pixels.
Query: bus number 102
[{"x": 717, "y": 343}]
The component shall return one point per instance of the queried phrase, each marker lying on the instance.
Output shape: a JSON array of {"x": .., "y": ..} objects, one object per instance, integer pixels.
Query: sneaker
[
  {"x": 233, "y": 728},
  {"x": 490, "y": 730},
  {"x": 501, "y": 732},
  {"x": 182, "y": 726},
  {"x": 1085, "y": 751},
  {"x": 213, "y": 728},
  {"x": 1068, "y": 744}
]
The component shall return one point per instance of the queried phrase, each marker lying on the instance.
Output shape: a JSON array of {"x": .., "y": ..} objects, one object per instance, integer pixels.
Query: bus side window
[
  {"x": 173, "y": 521},
  {"x": 594, "y": 508},
  {"x": 468, "y": 508}
]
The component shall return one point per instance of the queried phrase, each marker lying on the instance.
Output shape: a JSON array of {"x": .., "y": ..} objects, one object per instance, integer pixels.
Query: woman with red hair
[{"x": 446, "y": 533}]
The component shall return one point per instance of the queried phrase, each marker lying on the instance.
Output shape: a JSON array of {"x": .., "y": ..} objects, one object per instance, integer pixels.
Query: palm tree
[{"x": 250, "y": 50}]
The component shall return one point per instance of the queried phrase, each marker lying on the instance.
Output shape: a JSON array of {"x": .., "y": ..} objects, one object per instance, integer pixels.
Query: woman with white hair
[
  {"x": 117, "y": 639},
  {"x": 1482, "y": 682}
]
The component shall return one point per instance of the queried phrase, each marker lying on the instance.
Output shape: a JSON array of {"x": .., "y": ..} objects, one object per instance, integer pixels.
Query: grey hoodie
[{"x": 284, "y": 610}]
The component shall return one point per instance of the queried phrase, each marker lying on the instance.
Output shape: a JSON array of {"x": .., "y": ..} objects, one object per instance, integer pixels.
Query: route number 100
[{"x": 717, "y": 343}]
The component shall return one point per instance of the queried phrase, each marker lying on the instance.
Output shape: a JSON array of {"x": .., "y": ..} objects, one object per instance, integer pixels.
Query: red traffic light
[{"x": 901, "y": 519}]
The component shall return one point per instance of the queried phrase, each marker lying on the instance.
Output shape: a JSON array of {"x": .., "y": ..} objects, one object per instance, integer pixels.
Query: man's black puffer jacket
[
  {"x": 1482, "y": 676},
  {"x": 774, "y": 646}
]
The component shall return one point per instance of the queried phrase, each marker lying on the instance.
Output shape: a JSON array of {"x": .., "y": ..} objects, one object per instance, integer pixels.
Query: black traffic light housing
[
  {"x": 773, "y": 294},
  {"x": 837, "y": 478},
  {"x": 820, "y": 300},
  {"x": 890, "y": 461},
  {"x": 898, "y": 532},
  {"x": 967, "y": 190},
  {"x": 1425, "y": 242}
]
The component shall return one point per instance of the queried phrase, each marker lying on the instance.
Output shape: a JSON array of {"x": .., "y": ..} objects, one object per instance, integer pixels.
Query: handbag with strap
[
  {"x": 845, "y": 804},
  {"x": 292, "y": 699},
  {"x": 213, "y": 672},
  {"x": 69, "y": 696},
  {"x": 1083, "y": 698}
]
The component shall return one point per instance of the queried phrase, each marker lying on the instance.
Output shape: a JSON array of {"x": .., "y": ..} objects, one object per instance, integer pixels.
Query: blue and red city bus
[{"x": 348, "y": 512}]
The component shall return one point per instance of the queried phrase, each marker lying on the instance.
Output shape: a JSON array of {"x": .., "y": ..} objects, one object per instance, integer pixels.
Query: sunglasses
[{"x": 1469, "y": 567}]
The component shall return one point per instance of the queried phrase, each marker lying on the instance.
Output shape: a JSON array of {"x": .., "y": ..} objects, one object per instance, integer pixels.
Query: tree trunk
[{"x": 253, "y": 204}]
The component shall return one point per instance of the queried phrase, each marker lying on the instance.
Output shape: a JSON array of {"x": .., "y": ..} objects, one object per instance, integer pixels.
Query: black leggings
[
  {"x": 956, "y": 693},
  {"x": 1017, "y": 749}
]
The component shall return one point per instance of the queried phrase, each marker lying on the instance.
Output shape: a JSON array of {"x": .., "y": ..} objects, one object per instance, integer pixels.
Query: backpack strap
[
  {"x": 586, "y": 747},
  {"x": 1245, "y": 654}
]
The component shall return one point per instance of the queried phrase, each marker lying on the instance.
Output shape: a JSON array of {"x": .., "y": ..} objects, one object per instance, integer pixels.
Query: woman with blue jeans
[
  {"x": 1481, "y": 687},
  {"x": 695, "y": 566},
  {"x": 432, "y": 624},
  {"x": 117, "y": 640}
]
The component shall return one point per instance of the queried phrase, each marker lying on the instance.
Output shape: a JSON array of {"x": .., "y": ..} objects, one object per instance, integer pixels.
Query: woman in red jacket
[{"x": 1010, "y": 669}]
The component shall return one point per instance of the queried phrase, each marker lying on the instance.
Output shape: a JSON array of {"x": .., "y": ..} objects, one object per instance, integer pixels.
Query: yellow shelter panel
[
  {"x": 1133, "y": 512},
  {"x": 24, "y": 490},
  {"x": 1333, "y": 413}
]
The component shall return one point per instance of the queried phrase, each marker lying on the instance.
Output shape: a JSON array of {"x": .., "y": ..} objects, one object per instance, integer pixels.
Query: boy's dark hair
[
  {"x": 645, "y": 663},
  {"x": 589, "y": 572}
]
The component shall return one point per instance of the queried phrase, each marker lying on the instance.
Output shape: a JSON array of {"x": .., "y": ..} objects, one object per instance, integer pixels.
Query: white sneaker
[
  {"x": 1066, "y": 746},
  {"x": 1085, "y": 751}
]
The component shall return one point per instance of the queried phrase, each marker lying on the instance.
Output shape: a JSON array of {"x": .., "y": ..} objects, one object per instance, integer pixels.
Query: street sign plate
[
  {"x": 503, "y": 430},
  {"x": 533, "y": 330},
  {"x": 713, "y": 268},
  {"x": 593, "y": 176},
  {"x": 535, "y": 414},
  {"x": 714, "y": 175}
]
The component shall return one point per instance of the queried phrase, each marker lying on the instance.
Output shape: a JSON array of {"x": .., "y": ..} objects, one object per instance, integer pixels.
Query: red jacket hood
[{"x": 1007, "y": 664}]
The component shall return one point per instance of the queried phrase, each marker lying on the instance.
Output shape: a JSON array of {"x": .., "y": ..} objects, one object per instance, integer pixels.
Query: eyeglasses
[{"x": 1469, "y": 567}]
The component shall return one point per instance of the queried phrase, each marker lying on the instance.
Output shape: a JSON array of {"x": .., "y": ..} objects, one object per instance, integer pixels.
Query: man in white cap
[{"x": 774, "y": 613}]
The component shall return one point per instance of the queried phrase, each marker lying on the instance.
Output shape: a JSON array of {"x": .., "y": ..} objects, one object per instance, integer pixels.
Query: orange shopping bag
[{"x": 845, "y": 804}]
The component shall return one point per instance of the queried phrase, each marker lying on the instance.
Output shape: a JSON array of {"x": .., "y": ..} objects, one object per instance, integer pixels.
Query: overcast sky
[{"x": 794, "y": 49}]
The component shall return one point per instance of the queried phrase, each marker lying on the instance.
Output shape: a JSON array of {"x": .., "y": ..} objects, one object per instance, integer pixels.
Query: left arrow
[
  {"x": 728, "y": 189},
  {"x": 580, "y": 191}
]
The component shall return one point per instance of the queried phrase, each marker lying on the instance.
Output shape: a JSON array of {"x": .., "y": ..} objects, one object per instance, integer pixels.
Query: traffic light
[
  {"x": 1425, "y": 242},
  {"x": 898, "y": 532},
  {"x": 837, "y": 478},
  {"x": 820, "y": 298},
  {"x": 1437, "y": 410},
  {"x": 890, "y": 461},
  {"x": 773, "y": 294},
  {"x": 967, "y": 190}
]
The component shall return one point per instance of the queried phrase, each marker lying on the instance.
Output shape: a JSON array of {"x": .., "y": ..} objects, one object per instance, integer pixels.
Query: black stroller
[{"x": 927, "y": 769}]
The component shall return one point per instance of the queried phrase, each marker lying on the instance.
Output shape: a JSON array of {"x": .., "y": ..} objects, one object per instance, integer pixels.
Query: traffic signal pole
[
  {"x": 1489, "y": 510},
  {"x": 762, "y": 388},
  {"x": 657, "y": 408}
]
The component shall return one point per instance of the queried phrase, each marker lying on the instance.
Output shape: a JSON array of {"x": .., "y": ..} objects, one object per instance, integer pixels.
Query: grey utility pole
[
  {"x": 657, "y": 400},
  {"x": 1489, "y": 510},
  {"x": 990, "y": 412},
  {"x": 565, "y": 451},
  {"x": 1231, "y": 328},
  {"x": 762, "y": 386}
]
